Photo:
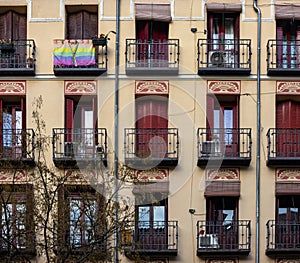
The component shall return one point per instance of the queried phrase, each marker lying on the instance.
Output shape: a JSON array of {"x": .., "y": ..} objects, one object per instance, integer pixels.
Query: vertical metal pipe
[
  {"x": 257, "y": 10},
  {"x": 116, "y": 135}
]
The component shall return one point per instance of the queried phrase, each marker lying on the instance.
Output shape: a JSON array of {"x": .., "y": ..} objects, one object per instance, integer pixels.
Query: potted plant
[
  {"x": 102, "y": 39},
  {"x": 7, "y": 46}
]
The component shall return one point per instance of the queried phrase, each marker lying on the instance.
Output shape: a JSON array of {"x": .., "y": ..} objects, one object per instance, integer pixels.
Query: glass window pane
[
  {"x": 144, "y": 216},
  {"x": 158, "y": 216}
]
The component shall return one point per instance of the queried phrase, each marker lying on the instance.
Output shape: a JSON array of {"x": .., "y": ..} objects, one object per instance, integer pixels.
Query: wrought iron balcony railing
[
  {"x": 231, "y": 237},
  {"x": 224, "y": 146},
  {"x": 155, "y": 57},
  {"x": 153, "y": 146},
  {"x": 17, "y": 146},
  {"x": 17, "y": 58},
  {"x": 72, "y": 145},
  {"x": 283, "y": 57},
  {"x": 283, "y": 237},
  {"x": 150, "y": 238},
  {"x": 283, "y": 147},
  {"x": 224, "y": 56},
  {"x": 79, "y": 57}
]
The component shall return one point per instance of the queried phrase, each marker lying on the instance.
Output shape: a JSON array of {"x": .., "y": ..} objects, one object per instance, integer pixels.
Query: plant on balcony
[
  {"x": 7, "y": 45},
  {"x": 102, "y": 39}
]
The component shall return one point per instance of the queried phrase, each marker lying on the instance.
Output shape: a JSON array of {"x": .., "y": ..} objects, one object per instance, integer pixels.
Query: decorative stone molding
[
  {"x": 224, "y": 87},
  {"x": 223, "y": 175},
  {"x": 288, "y": 175},
  {"x": 12, "y": 87},
  {"x": 283, "y": 260},
  {"x": 287, "y": 87},
  {"x": 221, "y": 261},
  {"x": 151, "y": 87},
  {"x": 80, "y": 87},
  {"x": 152, "y": 175},
  {"x": 74, "y": 176},
  {"x": 13, "y": 176}
]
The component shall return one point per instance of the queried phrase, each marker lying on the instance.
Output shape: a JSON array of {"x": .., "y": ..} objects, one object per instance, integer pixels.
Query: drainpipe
[
  {"x": 257, "y": 10},
  {"x": 116, "y": 135}
]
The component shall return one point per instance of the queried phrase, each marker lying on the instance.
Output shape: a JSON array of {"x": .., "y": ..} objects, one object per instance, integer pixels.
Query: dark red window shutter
[
  {"x": 82, "y": 25},
  {"x": 69, "y": 118},
  {"x": 160, "y": 30},
  {"x": 19, "y": 24},
  {"x": 23, "y": 109},
  {"x": 6, "y": 25},
  {"x": 279, "y": 39},
  {"x": 142, "y": 29},
  {"x": 1, "y": 125},
  {"x": 210, "y": 105}
]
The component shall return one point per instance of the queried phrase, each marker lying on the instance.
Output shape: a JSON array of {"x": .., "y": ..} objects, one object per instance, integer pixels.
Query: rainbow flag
[{"x": 73, "y": 53}]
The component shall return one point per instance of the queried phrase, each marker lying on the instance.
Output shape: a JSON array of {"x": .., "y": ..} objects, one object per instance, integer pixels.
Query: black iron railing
[
  {"x": 152, "y": 143},
  {"x": 224, "y": 236},
  {"x": 17, "y": 145},
  {"x": 224, "y": 55},
  {"x": 151, "y": 236},
  {"x": 142, "y": 54},
  {"x": 283, "y": 143},
  {"x": 79, "y": 143},
  {"x": 234, "y": 143},
  {"x": 79, "y": 57},
  {"x": 283, "y": 56},
  {"x": 17, "y": 57},
  {"x": 283, "y": 236}
]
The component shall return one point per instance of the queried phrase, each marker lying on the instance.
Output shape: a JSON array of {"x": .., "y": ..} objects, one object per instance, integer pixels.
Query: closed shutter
[
  {"x": 6, "y": 26},
  {"x": 30, "y": 231},
  {"x": 279, "y": 43},
  {"x": 82, "y": 25},
  {"x": 69, "y": 118},
  {"x": 1, "y": 127},
  {"x": 210, "y": 105},
  {"x": 13, "y": 26}
]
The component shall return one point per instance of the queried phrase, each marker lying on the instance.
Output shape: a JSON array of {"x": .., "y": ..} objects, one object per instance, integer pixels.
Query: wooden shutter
[
  {"x": 23, "y": 109},
  {"x": 82, "y": 25},
  {"x": 6, "y": 25},
  {"x": 210, "y": 105},
  {"x": 30, "y": 229},
  {"x": 95, "y": 117},
  {"x": 61, "y": 223},
  {"x": 1, "y": 126},
  {"x": 279, "y": 42},
  {"x": 160, "y": 30},
  {"x": 89, "y": 25},
  {"x": 288, "y": 114},
  {"x": 69, "y": 118},
  {"x": 19, "y": 25}
]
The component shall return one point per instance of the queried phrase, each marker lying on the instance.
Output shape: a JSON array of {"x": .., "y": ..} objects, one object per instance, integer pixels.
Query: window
[
  {"x": 222, "y": 122},
  {"x": 287, "y": 232},
  {"x": 80, "y": 207},
  {"x": 16, "y": 230},
  {"x": 222, "y": 214},
  {"x": 152, "y": 126},
  {"x": 80, "y": 123},
  {"x": 152, "y": 225},
  {"x": 223, "y": 29},
  {"x": 13, "y": 111},
  {"x": 82, "y": 22},
  {"x": 287, "y": 36}
]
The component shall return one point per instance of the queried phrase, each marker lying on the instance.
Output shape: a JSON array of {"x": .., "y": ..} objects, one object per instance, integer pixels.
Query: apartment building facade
[{"x": 186, "y": 79}]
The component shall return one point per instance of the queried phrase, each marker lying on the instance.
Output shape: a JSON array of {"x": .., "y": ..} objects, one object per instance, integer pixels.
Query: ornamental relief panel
[
  {"x": 13, "y": 176},
  {"x": 12, "y": 87},
  {"x": 222, "y": 261},
  {"x": 80, "y": 87},
  {"x": 224, "y": 87},
  {"x": 288, "y": 261},
  {"x": 287, "y": 87},
  {"x": 223, "y": 175},
  {"x": 151, "y": 87},
  {"x": 287, "y": 175},
  {"x": 152, "y": 175}
]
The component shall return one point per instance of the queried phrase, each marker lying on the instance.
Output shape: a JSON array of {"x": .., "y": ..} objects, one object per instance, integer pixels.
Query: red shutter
[
  {"x": 210, "y": 105},
  {"x": 283, "y": 118},
  {"x": 237, "y": 27},
  {"x": 23, "y": 109},
  {"x": 160, "y": 30},
  {"x": 19, "y": 24},
  {"x": 69, "y": 118},
  {"x": 95, "y": 117},
  {"x": 210, "y": 27},
  {"x": 279, "y": 38},
  {"x": 1, "y": 127},
  {"x": 142, "y": 29}
]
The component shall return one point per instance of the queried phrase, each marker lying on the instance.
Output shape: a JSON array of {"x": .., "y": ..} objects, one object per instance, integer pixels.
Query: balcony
[
  {"x": 283, "y": 58},
  {"x": 232, "y": 237},
  {"x": 224, "y": 57},
  {"x": 155, "y": 57},
  {"x": 79, "y": 58},
  {"x": 283, "y": 238},
  {"x": 150, "y": 147},
  {"x": 226, "y": 147},
  {"x": 150, "y": 238},
  {"x": 79, "y": 147},
  {"x": 17, "y": 148},
  {"x": 17, "y": 58},
  {"x": 283, "y": 147}
]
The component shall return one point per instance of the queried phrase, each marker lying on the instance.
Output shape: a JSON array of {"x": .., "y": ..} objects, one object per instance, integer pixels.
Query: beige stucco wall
[{"x": 186, "y": 103}]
